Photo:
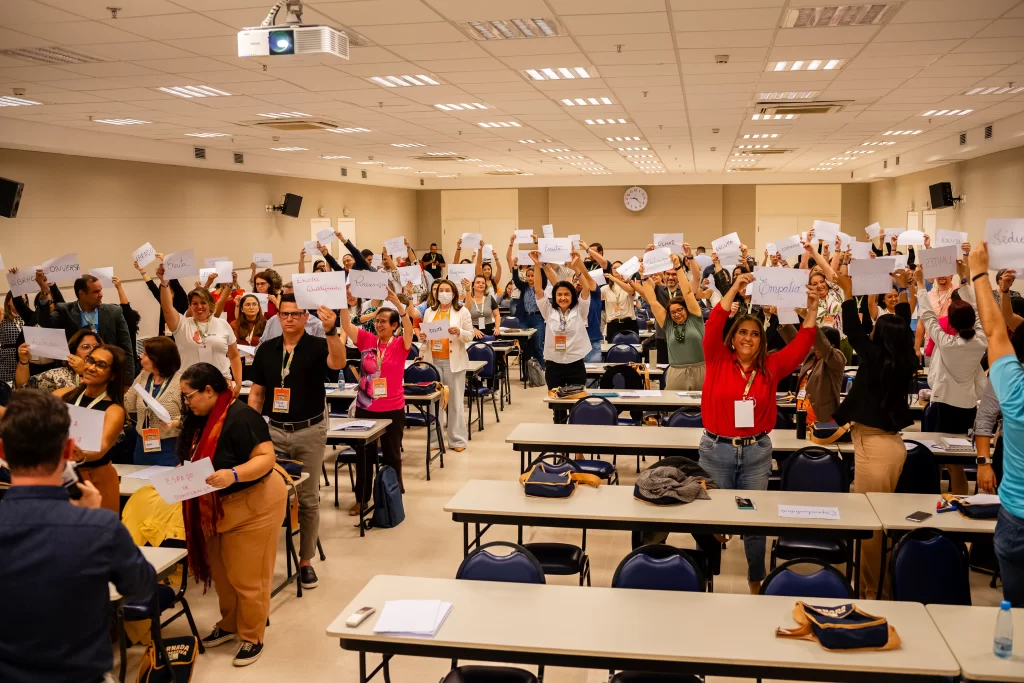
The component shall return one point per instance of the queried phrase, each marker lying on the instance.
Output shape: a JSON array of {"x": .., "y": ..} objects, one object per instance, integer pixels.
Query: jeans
[
  {"x": 595, "y": 352},
  {"x": 741, "y": 467},
  {"x": 536, "y": 321},
  {"x": 306, "y": 446},
  {"x": 1009, "y": 544}
]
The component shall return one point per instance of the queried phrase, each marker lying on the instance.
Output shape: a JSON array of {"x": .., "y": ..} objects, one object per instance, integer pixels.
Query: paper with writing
[
  {"x": 224, "y": 274},
  {"x": 575, "y": 241},
  {"x": 205, "y": 273},
  {"x": 658, "y": 261},
  {"x": 548, "y": 230},
  {"x": 826, "y": 231},
  {"x": 457, "y": 272},
  {"x": 913, "y": 238},
  {"x": 523, "y": 256},
  {"x": 597, "y": 275},
  {"x": 789, "y": 247},
  {"x": 488, "y": 253},
  {"x": 312, "y": 252},
  {"x": 629, "y": 268},
  {"x": 180, "y": 264},
  {"x": 860, "y": 250},
  {"x": 554, "y": 249},
  {"x": 871, "y": 276},
  {"x": 672, "y": 240},
  {"x": 23, "y": 282},
  {"x": 104, "y": 275},
  {"x": 410, "y": 275},
  {"x": 396, "y": 246},
  {"x": 435, "y": 330},
  {"x": 325, "y": 236},
  {"x": 946, "y": 237},
  {"x": 153, "y": 404},
  {"x": 472, "y": 240},
  {"x": 264, "y": 300},
  {"x": 377, "y": 260},
  {"x": 901, "y": 261},
  {"x": 365, "y": 284},
  {"x": 263, "y": 259},
  {"x": 47, "y": 342},
  {"x": 844, "y": 241},
  {"x": 86, "y": 427},
  {"x": 211, "y": 262},
  {"x": 771, "y": 248},
  {"x": 727, "y": 247},
  {"x": 524, "y": 237},
  {"x": 1005, "y": 237},
  {"x": 808, "y": 512},
  {"x": 873, "y": 231},
  {"x": 938, "y": 261},
  {"x": 324, "y": 289},
  {"x": 783, "y": 287},
  {"x": 185, "y": 482},
  {"x": 64, "y": 268},
  {"x": 893, "y": 232},
  {"x": 144, "y": 255}
]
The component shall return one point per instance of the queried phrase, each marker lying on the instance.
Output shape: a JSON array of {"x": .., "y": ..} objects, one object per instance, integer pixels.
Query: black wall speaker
[
  {"x": 292, "y": 203},
  {"x": 942, "y": 195},
  {"x": 10, "y": 197}
]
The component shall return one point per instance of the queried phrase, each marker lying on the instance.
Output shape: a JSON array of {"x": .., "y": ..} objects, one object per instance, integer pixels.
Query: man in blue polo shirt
[
  {"x": 58, "y": 555},
  {"x": 1007, "y": 377}
]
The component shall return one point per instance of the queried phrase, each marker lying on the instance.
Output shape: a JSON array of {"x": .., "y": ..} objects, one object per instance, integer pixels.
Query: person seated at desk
[{"x": 59, "y": 555}]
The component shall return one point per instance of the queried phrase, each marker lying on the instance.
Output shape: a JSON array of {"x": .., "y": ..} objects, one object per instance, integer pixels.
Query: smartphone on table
[
  {"x": 918, "y": 516},
  {"x": 745, "y": 504}
]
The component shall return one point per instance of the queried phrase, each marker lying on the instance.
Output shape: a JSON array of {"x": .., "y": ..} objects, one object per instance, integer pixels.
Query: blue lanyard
[{"x": 91, "y": 320}]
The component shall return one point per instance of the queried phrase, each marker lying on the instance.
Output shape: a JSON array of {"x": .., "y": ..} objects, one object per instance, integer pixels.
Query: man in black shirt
[
  {"x": 291, "y": 369},
  {"x": 58, "y": 555},
  {"x": 433, "y": 261}
]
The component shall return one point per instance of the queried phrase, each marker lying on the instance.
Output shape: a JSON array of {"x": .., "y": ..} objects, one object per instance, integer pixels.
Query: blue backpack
[{"x": 388, "y": 510}]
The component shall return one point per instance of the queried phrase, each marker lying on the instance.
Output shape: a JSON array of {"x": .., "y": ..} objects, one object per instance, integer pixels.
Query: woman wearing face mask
[
  {"x": 450, "y": 357},
  {"x": 483, "y": 308},
  {"x": 161, "y": 372},
  {"x": 65, "y": 376},
  {"x": 619, "y": 304},
  {"x": 101, "y": 389},
  {"x": 684, "y": 334},
  {"x": 202, "y": 338},
  {"x": 738, "y": 403},
  {"x": 877, "y": 407}
]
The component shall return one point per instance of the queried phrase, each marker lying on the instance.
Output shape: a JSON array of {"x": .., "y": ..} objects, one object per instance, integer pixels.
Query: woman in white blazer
[{"x": 450, "y": 358}]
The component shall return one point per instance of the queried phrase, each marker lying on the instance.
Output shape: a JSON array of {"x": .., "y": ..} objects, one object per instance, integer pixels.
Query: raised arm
[
  {"x": 646, "y": 290},
  {"x": 171, "y": 316},
  {"x": 587, "y": 284},
  {"x": 538, "y": 287},
  {"x": 1006, "y": 302},
  {"x": 991, "y": 319},
  {"x": 350, "y": 330},
  {"x": 357, "y": 256}
]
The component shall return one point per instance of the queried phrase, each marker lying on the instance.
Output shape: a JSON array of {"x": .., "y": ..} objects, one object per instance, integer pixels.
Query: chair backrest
[
  {"x": 659, "y": 567},
  {"x": 421, "y": 371},
  {"x": 684, "y": 418},
  {"x": 511, "y": 322},
  {"x": 414, "y": 352},
  {"x": 556, "y": 463},
  {"x": 593, "y": 410},
  {"x": 626, "y": 337},
  {"x": 825, "y": 582},
  {"x": 481, "y": 351},
  {"x": 622, "y": 353},
  {"x": 920, "y": 471},
  {"x": 519, "y": 566},
  {"x": 815, "y": 469},
  {"x": 621, "y": 377},
  {"x": 930, "y": 567},
  {"x": 930, "y": 418}
]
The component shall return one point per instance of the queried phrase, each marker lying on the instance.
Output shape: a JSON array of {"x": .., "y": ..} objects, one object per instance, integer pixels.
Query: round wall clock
[{"x": 635, "y": 198}]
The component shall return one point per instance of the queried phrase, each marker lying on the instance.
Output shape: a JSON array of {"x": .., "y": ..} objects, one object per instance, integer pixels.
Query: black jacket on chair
[{"x": 111, "y": 327}]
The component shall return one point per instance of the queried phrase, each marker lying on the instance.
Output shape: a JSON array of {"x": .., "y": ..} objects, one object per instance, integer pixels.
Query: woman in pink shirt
[{"x": 381, "y": 394}]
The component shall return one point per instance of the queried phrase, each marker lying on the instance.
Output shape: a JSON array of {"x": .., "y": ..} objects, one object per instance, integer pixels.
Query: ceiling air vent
[
  {"x": 988, "y": 132},
  {"x": 862, "y": 14},
  {"x": 239, "y": 158},
  {"x": 503, "y": 29},
  {"x": 292, "y": 125},
  {"x": 446, "y": 157},
  {"x": 800, "y": 108},
  {"x": 510, "y": 172},
  {"x": 199, "y": 152},
  {"x": 963, "y": 138},
  {"x": 52, "y": 55},
  {"x": 766, "y": 152},
  {"x": 885, "y": 163}
]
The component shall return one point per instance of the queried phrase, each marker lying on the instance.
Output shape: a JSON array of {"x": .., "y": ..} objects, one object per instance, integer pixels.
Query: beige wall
[
  {"x": 739, "y": 212},
  {"x": 855, "y": 209},
  {"x": 428, "y": 217},
  {"x": 492, "y": 213},
  {"x": 784, "y": 210},
  {"x": 533, "y": 208}
]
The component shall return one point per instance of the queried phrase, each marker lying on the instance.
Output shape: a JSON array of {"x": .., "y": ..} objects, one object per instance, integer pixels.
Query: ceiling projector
[{"x": 292, "y": 38}]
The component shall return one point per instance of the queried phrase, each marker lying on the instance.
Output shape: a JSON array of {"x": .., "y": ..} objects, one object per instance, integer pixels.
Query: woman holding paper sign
[
  {"x": 67, "y": 375},
  {"x": 161, "y": 373},
  {"x": 619, "y": 310},
  {"x": 738, "y": 403},
  {"x": 684, "y": 334},
  {"x": 450, "y": 356},
  {"x": 483, "y": 308},
  {"x": 101, "y": 389}
]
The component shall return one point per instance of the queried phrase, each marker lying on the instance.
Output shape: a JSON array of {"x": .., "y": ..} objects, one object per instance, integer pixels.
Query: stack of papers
[
  {"x": 808, "y": 512},
  {"x": 981, "y": 499},
  {"x": 953, "y": 444},
  {"x": 689, "y": 394},
  {"x": 354, "y": 426},
  {"x": 419, "y": 618}
]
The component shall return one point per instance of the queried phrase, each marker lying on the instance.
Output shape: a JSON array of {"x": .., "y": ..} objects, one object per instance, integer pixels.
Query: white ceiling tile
[
  {"x": 170, "y": 26},
  {"x": 569, "y": 7},
  {"x": 718, "y": 40},
  {"x": 522, "y": 48},
  {"x": 913, "y": 47},
  {"x": 941, "y": 30},
  {"x": 413, "y": 34},
  {"x": 464, "y": 50},
  {"x": 825, "y": 36},
  {"x": 727, "y": 20},
  {"x": 645, "y": 81},
  {"x": 377, "y": 12},
  {"x": 211, "y": 46},
  {"x": 896, "y": 61},
  {"x": 628, "y": 41},
  {"x": 443, "y": 66},
  {"x": 481, "y": 10},
  {"x": 78, "y": 33},
  {"x": 709, "y": 68},
  {"x": 977, "y": 45},
  {"x": 35, "y": 73},
  {"x": 1003, "y": 29},
  {"x": 30, "y": 11},
  {"x": 945, "y": 71},
  {"x": 920, "y": 11},
  {"x": 839, "y": 51},
  {"x": 614, "y": 24},
  {"x": 741, "y": 54}
]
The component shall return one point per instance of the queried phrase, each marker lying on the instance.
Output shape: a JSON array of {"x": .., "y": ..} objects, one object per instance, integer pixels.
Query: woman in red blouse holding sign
[{"x": 739, "y": 412}]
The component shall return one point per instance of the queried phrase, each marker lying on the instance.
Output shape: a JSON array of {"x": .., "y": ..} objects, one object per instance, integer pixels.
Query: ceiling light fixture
[
  {"x": 789, "y": 95},
  {"x": 206, "y": 135},
  {"x": 122, "y": 122},
  {"x": 370, "y": 163},
  {"x": 507, "y": 29},
  {"x": 500, "y": 124},
  {"x": 807, "y": 65},
  {"x": 399, "y": 168},
  {"x": 859, "y": 151},
  {"x": 947, "y": 112},
  {"x": 334, "y": 156},
  {"x": 8, "y": 101},
  {"x": 753, "y": 146},
  {"x": 903, "y": 132},
  {"x": 994, "y": 90},
  {"x": 843, "y": 159},
  {"x": 585, "y": 101},
  {"x": 407, "y": 144},
  {"x": 601, "y": 122},
  {"x": 290, "y": 149},
  {"x": 633, "y": 149},
  {"x": 442, "y": 154},
  {"x": 191, "y": 91},
  {"x": 534, "y": 142},
  {"x": 761, "y": 136},
  {"x": 773, "y": 117},
  {"x": 627, "y": 138},
  {"x": 578, "y": 156},
  {"x": 638, "y": 156},
  {"x": 555, "y": 150},
  {"x": 403, "y": 81},
  {"x": 876, "y": 143},
  {"x": 348, "y": 130},
  {"x": 557, "y": 73},
  {"x": 866, "y": 14},
  {"x": 284, "y": 115},
  {"x": 461, "y": 107}
]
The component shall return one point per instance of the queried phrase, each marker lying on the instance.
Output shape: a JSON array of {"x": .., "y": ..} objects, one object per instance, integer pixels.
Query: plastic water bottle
[{"x": 1003, "y": 643}]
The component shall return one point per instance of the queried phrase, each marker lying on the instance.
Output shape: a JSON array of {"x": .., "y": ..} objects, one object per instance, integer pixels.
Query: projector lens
[{"x": 282, "y": 42}]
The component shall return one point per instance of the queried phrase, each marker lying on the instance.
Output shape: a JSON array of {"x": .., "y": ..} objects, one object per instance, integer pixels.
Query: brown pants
[
  {"x": 243, "y": 553},
  {"x": 105, "y": 479},
  {"x": 878, "y": 458}
]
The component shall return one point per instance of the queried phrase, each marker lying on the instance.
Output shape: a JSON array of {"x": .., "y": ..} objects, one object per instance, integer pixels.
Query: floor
[{"x": 428, "y": 543}]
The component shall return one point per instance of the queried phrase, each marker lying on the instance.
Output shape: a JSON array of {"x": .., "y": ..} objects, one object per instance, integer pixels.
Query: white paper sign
[
  {"x": 366, "y": 284},
  {"x": 771, "y": 248},
  {"x": 472, "y": 240},
  {"x": 703, "y": 260},
  {"x": 911, "y": 238},
  {"x": 1005, "y": 237},
  {"x": 180, "y": 264},
  {"x": 396, "y": 246},
  {"x": 488, "y": 253},
  {"x": 263, "y": 259},
  {"x": 825, "y": 231},
  {"x": 62, "y": 269},
  {"x": 325, "y": 236},
  {"x": 104, "y": 275},
  {"x": 524, "y": 237},
  {"x": 598, "y": 277},
  {"x": 224, "y": 274},
  {"x": 629, "y": 268},
  {"x": 144, "y": 255},
  {"x": 247, "y": 350},
  {"x": 548, "y": 230},
  {"x": 523, "y": 256},
  {"x": 86, "y": 427},
  {"x": 205, "y": 273},
  {"x": 901, "y": 261},
  {"x": 46, "y": 342},
  {"x": 435, "y": 330},
  {"x": 789, "y": 247},
  {"x": 324, "y": 289},
  {"x": 672, "y": 240},
  {"x": 873, "y": 230},
  {"x": 871, "y": 276},
  {"x": 938, "y": 261},
  {"x": 573, "y": 239},
  {"x": 185, "y": 482},
  {"x": 728, "y": 247},
  {"x": 153, "y": 404},
  {"x": 410, "y": 275},
  {"x": 946, "y": 237},
  {"x": 844, "y": 241},
  {"x": 860, "y": 250},
  {"x": 311, "y": 249},
  {"x": 893, "y": 232},
  {"x": 23, "y": 281},
  {"x": 212, "y": 261},
  {"x": 554, "y": 249},
  {"x": 808, "y": 512},
  {"x": 658, "y": 261},
  {"x": 788, "y": 316},
  {"x": 457, "y": 272},
  {"x": 377, "y": 260},
  {"x": 264, "y": 300},
  {"x": 782, "y": 287}
]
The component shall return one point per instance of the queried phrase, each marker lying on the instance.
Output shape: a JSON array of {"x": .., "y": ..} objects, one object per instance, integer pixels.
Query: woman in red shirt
[{"x": 739, "y": 412}]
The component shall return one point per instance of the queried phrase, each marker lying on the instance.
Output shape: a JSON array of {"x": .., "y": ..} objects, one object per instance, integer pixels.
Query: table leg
[
  {"x": 856, "y": 568},
  {"x": 881, "y": 568},
  {"x": 465, "y": 539},
  {"x": 362, "y": 667}
]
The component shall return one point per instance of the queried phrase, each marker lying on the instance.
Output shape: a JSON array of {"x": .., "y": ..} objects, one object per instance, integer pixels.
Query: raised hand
[{"x": 978, "y": 258}]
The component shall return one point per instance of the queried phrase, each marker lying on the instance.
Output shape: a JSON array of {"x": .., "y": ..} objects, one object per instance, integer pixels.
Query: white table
[
  {"x": 665, "y": 401},
  {"x": 968, "y": 632},
  {"x": 598, "y": 369},
  {"x": 162, "y": 559},
  {"x": 614, "y": 628},
  {"x": 941, "y": 455}
]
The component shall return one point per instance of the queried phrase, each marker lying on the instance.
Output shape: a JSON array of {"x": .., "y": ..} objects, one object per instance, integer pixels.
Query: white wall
[
  {"x": 492, "y": 213},
  {"x": 784, "y": 210}
]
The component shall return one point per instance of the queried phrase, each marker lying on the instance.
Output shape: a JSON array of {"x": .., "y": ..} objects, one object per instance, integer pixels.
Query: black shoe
[
  {"x": 248, "y": 653},
  {"x": 307, "y": 577},
  {"x": 218, "y": 637}
]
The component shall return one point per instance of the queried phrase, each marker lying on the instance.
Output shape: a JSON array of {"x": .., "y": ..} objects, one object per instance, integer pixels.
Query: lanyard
[
  {"x": 159, "y": 392},
  {"x": 286, "y": 368},
  {"x": 562, "y": 319},
  {"x": 78, "y": 401},
  {"x": 381, "y": 355},
  {"x": 750, "y": 382},
  {"x": 203, "y": 334},
  {"x": 91, "y": 319}
]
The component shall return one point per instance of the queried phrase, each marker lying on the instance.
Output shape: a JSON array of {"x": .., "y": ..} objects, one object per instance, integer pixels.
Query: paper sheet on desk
[
  {"x": 412, "y": 617},
  {"x": 982, "y": 499},
  {"x": 808, "y": 512},
  {"x": 147, "y": 473},
  {"x": 354, "y": 426}
]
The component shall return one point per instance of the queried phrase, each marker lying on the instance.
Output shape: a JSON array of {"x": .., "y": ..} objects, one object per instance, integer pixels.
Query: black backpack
[{"x": 388, "y": 510}]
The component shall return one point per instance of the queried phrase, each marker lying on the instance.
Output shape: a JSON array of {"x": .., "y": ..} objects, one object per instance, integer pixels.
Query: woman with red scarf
[{"x": 232, "y": 533}]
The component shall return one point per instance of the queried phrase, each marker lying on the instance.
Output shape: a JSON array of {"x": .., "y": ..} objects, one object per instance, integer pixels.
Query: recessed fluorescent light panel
[
  {"x": 334, "y": 156},
  {"x": 602, "y": 122},
  {"x": 407, "y": 144},
  {"x": 8, "y": 101},
  {"x": 206, "y": 135},
  {"x": 122, "y": 122},
  {"x": 639, "y": 156},
  {"x": 866, "y": 14},
  {"x": 500, "y": 124},
  {"x": 873, "y": 144},
  {"x": 399, "y": 168},
  {"x": 442, "y": 154},
  {"x": 789, "y": 95},
  {"x": 819, "y": 168},
  {"x": 509, "y": 29},
  {"x": 535, "y": 142},
  {"x": 859, "y": 151},
  {"x": 284, "y": 115},
  {"x": 633, "y": 149},
  {"x": 753, "y": 146},
  {"x": 627, "y": 138},
  {"x": 577, "y": 156},
  {"x": 554, "y": 150},
  {"x": 586, "y": 101},
  {"x": 843, "y": 159},
  {"x": 290, "y": 149},
  {"x": 807, "y": 65},
  {"x": 370, "y": 163},
  {"x": 462, "y": 106},
  {"x": 404, "y": 81},
  {"x": 191, "y": 91},
  {"x": 559, "y": 73},
  {"x": 994, "y": 90},
  {"x": 760, "y": 136},
  {"x": 903, "y": 132},
  {"x": 773, "y": 117},
  {"x": 349, "y": 130},
  {"x": 947, "y": 112}
]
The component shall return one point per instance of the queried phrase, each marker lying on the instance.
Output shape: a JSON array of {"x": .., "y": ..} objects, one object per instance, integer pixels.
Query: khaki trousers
[
  {"x": 878, "y": 458},
  {"x": 106, "y": 481},
  {"x": 243, "y": 554}
]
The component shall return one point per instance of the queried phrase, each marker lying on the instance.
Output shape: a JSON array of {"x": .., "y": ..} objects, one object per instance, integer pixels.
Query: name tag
[
  {"x": 829, "y": 321},
  {"x": 437, "y": 345},
  {"x": 559, "y": 342},
  {"x": 801, "y": 395},
  {"x": 380, "y": 388},
  {"x": 249, "y": 360},
  {"x": 282, "y": 399},
  {"x": 481, "y": 323},
  {"x": 151, "y": 440},
  {"x": 744, "y": 413}
]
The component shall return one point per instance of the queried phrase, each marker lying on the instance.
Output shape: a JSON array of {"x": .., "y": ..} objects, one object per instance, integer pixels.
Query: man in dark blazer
[{"x": 88, "y": 311}]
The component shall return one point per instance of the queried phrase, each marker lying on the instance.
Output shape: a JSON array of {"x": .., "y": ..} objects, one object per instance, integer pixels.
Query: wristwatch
[
  {"x": 332, "y": 333},
  {"x": 982, "y": 460}
]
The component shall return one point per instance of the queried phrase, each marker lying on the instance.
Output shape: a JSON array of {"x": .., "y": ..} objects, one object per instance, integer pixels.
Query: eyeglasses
[
  {"x": 87, "y": 347},
  {"x": 187, "y": 398},
  {"x": 101, "y": 364},
  {"x": 290, "y": 315}
]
